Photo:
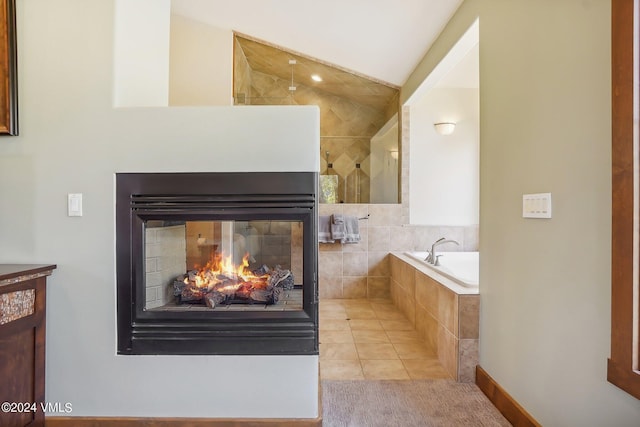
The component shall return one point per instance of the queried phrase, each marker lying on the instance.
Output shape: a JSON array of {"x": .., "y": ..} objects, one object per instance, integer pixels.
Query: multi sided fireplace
[{"x": 217, "y": 263}]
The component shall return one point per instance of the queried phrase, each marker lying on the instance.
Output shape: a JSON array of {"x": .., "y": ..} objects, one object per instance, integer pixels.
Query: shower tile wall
[
  {"x": 346, "y": 129},
  {"x": 404, "y": 119},
  {"x": 344, "y": 155},
  {"x": 346, "y": 126},
  {"x": 241, "y": 75},
  {"x": 362, "y": 270}
]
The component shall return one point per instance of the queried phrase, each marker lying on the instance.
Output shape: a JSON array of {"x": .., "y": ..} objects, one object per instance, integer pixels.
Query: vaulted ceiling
[
  {"x": 275, "y": 60},
  {"x": 382, "y": 39}
]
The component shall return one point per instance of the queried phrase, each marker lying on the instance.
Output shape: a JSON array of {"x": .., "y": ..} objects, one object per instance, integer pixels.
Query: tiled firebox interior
[{"x": 371, "y": 339}]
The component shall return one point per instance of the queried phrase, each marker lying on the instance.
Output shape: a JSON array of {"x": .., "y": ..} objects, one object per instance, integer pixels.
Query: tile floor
[{"x": 371, "y": 339}]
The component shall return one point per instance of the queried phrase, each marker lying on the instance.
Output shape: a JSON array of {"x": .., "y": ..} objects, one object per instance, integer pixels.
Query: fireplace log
[
  {"x": 191, "y": 295},
  {"x": 244, "y": 291},
  {"x": 266, "y": 288},
  {"x": 261, "y": 295},
  {"x": 262, "y": 271},
  {"x": 178, "y": 286},
  {"x": 226, "y": 287},
  {"x": 214, "y": 298},
  {"x": 282, "y": 278},
  {"x": 266, "y": 296}
]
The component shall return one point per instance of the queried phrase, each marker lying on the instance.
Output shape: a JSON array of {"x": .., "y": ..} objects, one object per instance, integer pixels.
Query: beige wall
[
  {"x": 201, "y": 63},
  {"x": 141, "y": 26},
  {"x": 545, "y": 127}
]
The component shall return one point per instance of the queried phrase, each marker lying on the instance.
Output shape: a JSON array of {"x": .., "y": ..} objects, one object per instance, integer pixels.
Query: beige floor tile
[
  {"x": 379, "y": 303},
  {"x": 332, "y": 315},
  {"x": 375, "y": 351},
  {"x": 383, "y": 301},
  {"x": 365, "y": 325},
  {"x": 365, "y": 336},
  {"x": 335, "y": 337},
  {"x": 334, "y": 325},
  {"x": 331, "y": 308},
  {"x": 384, "y": 308},
  {"x": 377, "y": 342},
  {"x": 402, "y": 336},
  {"x": 414, "y": 350},
  {"x": 330, "y": 304},
  {"x": 360, "y": 313},
  {"x": 356, "y": 303},
  {"x": 335, "y": 351},
  {"x": 384, "y": 370},
  {"x": 341, "y": 370},
  {"x": 396, "y": 325},
  {"x": 391, "y": 315},
  {"x": 425, "y": 369}
]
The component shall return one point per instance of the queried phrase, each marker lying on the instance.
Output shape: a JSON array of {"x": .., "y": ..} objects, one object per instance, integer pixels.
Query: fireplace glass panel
[
  {"x": 169, "y": 226},
  {"x": 254, "y": 265}
]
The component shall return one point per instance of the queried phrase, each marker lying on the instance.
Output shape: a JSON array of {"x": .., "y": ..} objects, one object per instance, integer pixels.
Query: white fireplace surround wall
[
  {"x": 224, "y": 139},
  {"x": 200, "y": 139}
]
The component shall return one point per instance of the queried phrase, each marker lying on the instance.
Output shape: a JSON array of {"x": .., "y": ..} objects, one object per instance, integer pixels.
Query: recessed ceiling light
[{"x": 316, "y": 78}]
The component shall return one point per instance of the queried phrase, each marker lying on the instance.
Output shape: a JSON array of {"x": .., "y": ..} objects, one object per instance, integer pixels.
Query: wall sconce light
[
  {"x": 394, "y": 154},
  {"x": 445, "y": 128}
]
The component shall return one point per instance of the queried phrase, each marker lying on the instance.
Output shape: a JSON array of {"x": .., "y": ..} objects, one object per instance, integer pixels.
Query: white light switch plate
[
  {"x": 536, "y": 205},
  {"x": 74, "y": 204}
]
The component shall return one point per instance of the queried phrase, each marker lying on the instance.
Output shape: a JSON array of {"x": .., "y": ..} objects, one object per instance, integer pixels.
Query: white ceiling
[{"x": 383, "y": 39}]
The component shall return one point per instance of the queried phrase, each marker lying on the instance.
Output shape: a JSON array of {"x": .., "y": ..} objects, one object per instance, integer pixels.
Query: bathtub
[{"x": 461, "y": 267}]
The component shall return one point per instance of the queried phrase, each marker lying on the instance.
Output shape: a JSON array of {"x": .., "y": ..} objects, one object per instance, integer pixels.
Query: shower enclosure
[
  {"x": 354, "y": 112},
  {"x": 346, "y": 169}
]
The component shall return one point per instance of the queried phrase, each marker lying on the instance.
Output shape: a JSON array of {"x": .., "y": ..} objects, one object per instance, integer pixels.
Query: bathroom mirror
[{"x": 358, "y": 117}]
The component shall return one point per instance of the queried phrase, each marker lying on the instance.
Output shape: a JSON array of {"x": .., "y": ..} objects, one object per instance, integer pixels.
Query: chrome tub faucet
[{"x": 432, "y": 258}]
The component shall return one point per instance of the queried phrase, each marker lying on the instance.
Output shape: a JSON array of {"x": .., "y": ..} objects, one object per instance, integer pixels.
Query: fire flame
[{"x": 220, "y": 269}]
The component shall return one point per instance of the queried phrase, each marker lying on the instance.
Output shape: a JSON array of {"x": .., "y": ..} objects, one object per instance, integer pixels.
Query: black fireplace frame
[{"x": 143, "y": 197}]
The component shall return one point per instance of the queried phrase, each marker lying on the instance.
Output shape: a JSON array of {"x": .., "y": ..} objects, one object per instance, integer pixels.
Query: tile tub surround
[
  {"x": 362, "y": 270},
  {"x": 447, "y": 320}
]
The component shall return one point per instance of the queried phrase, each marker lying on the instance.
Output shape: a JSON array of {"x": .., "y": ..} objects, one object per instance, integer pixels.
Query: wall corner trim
[{"x": 507, "y": 406}]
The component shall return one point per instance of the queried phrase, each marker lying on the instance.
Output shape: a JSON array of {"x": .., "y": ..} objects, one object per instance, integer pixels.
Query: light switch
[
  {"x": 536, "y": 205},
  {"x": 74, "y": 204}
]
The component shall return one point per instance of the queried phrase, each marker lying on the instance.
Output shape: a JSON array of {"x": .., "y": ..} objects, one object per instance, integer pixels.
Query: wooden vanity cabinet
[{"x": 22, "y": 343}]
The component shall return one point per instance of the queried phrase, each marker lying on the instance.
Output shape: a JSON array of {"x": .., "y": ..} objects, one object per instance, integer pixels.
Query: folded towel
[
  {"x": 324, "y": 229},
  {"x": 338, "y": 227},
  {"x": 337, "y": 231},
  {"x": 351, "y": 230}
]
